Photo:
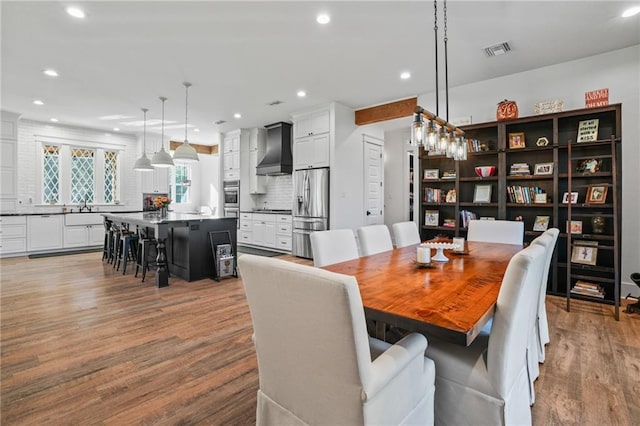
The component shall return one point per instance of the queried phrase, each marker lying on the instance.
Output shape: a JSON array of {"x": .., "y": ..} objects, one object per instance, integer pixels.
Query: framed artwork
[
  {"x": 431, "y": 217},
  {"x": 541, "y": 223},
  {"x": 431, "y": 173},
  {"x": 543, "y": 141},
  {"x": 574, "y": 227},
  {"x": 591, "y": 165},
  {"x": 586, "y": 253},
  {"x": 540, "y": 198},
  {"x": 588, "y": 130},
  {"x": 482, "y": 194},
  {"x": 543, "y": 169},
  {"x": 597, "y": 194},
  {"x": 574, "y": 198},
  {"x": 516, "y": 140}
]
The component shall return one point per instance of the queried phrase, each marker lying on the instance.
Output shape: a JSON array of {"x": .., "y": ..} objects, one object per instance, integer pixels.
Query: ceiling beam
[
  {"x": 200, "y": 149},
  {"x": 390, "y": 111}
]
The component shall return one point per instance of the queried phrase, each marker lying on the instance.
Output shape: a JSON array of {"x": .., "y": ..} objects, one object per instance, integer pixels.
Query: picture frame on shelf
[
  {"x": 542, "y": 169},
  {"x": 574, "y": 198},
  {"x": 591, "y": 165},
  {"x": 482, "y": 194},
  {"x": 542, "y": 141},
  {"x": 597, "y": 194},
  {"x": 431, "y": 218},
  {"x": 585, "y": 252},
  {"x": 574, "y": 227},
  {"x": 540, "y": 198},
  {"x": 517, "y": 140},
  {"x": 541, "y": 223},
  {"x": 431, "y": 174},
  {"x": 588, "y": 130}
]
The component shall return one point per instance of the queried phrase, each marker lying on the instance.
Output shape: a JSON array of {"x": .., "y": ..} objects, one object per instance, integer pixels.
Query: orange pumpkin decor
[{"x": 507, "y": 110}]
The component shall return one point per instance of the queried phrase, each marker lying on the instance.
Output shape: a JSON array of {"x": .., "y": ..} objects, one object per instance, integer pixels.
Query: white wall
[
  {"x": 346, "y": 209},
  {"x": 619, "y": 71},
  {"x": 396, "y": 169},
  {"x": 28, "y": 180}
]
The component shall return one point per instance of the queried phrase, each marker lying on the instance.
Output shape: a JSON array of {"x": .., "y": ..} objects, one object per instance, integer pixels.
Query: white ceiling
[{"x": 242, "y": 55}]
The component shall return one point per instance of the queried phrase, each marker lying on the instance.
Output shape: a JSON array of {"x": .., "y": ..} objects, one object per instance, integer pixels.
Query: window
[
  {"x": 82, "y": 175},
  {"x": 73, "y": 174},
  {"x": 181, "y": 184},
  {"x": 110, "y": 176},
  {"x": 51, "y": 174}
]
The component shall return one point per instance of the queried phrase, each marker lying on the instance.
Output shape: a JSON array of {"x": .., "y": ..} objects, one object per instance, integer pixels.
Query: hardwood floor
[{"x": 82, "y": 344}]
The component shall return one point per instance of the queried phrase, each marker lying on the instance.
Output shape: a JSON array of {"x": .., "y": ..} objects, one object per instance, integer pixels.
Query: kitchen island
[{"x": 183, "y": 241}]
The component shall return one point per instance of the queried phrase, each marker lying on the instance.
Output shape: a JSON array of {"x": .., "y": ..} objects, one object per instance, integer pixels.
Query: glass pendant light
[
  {"x": 186, "y": 152},
  {"x": 430, "y": 141},
  {"x": 162, "y": 157},
  {"x": 418, "y": 130},
  {"x": 143, "y": 164},
  {"x": 443, "y": 140}
]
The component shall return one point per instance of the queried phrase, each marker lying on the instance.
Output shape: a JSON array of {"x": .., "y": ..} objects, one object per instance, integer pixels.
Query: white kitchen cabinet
[
  {"x": 246, "y": 228},
  {"x": 264, "y": 229},
  {"x": 155, "y": 181},
  {"x": 83, "y": 230},
  {"x": 44, "y": 232},
  {"x": 312, "y": 124},
  {"x": 283, "y": 232},
  {"x": 13, "y": 234},
  {"x": 257, "y": 183},
  {"x": 8, "y": 161},
  {"x": 311, "y": 152},
  {"x": 231, "y": 156}
]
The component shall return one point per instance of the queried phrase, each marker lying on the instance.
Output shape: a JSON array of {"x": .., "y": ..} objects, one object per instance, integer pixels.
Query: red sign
[{"x": 596, "y": 98}]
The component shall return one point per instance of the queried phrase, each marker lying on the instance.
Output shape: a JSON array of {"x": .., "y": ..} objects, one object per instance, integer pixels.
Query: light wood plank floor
[{"x": 82, "y": 344}]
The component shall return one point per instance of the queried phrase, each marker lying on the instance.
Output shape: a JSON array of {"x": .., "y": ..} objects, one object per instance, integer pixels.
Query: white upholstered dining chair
[
  {"x": 374, "y": 239},
  {"x": 406, "y": 234},
  {"x": 542, "y": 324},
  {"x": 333, "y": 246},
  {"x": 487, "y": 382},
  {"x": 496, "y": 231},
  {"x": 316, "y": 363}
]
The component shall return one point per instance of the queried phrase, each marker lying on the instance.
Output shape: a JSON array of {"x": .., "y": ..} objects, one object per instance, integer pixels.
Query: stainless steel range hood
[{"x": 277, "y": 160}]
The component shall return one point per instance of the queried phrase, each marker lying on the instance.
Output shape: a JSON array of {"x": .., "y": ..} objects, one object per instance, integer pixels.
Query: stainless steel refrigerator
[{"x": 310, "y": 208}]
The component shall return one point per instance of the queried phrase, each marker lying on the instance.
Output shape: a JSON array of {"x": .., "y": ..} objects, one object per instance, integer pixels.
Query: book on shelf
[
  {"x": 519, "y": 169},
  {"x": 523, "y": 194},
  {"x": 466, "y": 216},
  {"x": 586, "y": 288},
  {"x": 476, "y": 146},
  {"x": 449, "y": 223},
  {"x": 432, "y": 195}
]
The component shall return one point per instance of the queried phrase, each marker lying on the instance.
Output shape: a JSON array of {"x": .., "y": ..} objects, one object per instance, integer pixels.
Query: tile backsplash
[{"x": 279, "y": 193}]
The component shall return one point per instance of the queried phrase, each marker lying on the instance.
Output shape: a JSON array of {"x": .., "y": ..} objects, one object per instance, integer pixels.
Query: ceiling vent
[
  {"x": 219, "y": 122},
  {"x": 274, "y": 103},
  {"x": 498, "y": 49}
]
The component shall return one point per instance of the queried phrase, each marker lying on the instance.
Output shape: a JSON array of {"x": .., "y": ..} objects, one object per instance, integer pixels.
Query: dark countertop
[
  {"x": 267, "y": 211},
  {"x": 58, "y": 213}
]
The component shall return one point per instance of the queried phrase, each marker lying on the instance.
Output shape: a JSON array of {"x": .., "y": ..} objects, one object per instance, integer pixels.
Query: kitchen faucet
[{"x": 85, "y": 207}]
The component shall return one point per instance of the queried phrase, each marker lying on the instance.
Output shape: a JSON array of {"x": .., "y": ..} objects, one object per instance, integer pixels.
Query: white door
[{"x": 373, "y": 182}]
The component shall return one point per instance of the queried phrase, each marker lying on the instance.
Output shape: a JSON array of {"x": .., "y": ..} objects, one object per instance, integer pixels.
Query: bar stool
[
  {"x": 116, "y": 232},
  {"x": 108, "y": 238},
  {"x": 127, "y": 253},
  {"x": 146, "y": 253}
]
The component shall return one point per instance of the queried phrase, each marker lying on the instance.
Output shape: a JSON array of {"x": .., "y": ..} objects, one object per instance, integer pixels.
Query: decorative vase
[
  {"x": 597, "y": 224},
  {"x": 163, "y": 212}
]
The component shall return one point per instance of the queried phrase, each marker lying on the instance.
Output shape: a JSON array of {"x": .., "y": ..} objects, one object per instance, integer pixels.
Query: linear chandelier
[{"x": 437, "y": 135}]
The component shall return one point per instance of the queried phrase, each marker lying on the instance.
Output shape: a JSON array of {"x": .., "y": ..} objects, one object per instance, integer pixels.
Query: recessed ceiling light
[
  {"x": 196, "y": 130},
  {"x": 632, "y": 11},
  {"x": 302, "y": 93},
  {"x": 323, "y": 19},
  {"x": 116, "y": 129},
  {"x": 237, "y": 115},
  {"x": 51, "y": 73},
  {"x": 55, "y": 120},
  {"x": 38, "y": 102},
  {"x": 76, "y": 12},
  {"x": 405, "y": 75}
]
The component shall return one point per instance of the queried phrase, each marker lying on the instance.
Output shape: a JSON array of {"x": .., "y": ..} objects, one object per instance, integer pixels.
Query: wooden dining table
[{"x": 450, "y": 300}]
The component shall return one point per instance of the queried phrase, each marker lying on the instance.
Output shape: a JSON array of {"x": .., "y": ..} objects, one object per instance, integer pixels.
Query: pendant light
[
  {"x": 186, "y": 152},
  {"x": 143, "y": 164},
  {"x": 162, "y": 157}
]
